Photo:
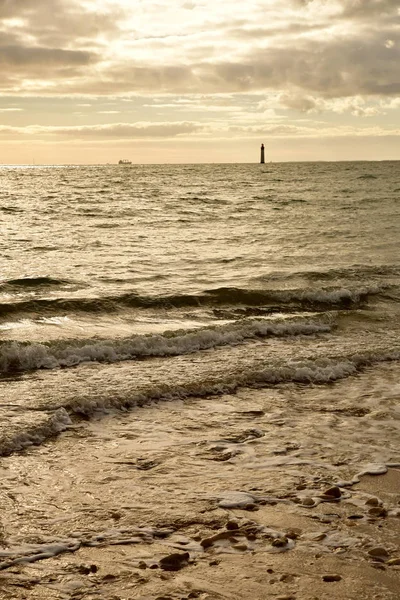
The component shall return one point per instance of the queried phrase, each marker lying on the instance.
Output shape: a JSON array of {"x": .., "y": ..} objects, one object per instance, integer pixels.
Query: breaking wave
[
  {"x": 15, "y": 356},
  {"x": 306, "y": 372},
  {"x": 308, "y": 299}
]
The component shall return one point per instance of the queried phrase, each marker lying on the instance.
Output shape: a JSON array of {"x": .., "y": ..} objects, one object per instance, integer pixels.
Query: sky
[{"x": 198, "y": 81}]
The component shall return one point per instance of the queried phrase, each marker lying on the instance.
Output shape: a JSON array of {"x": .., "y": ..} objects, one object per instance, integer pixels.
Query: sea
[{"x": 127, "y": 285}]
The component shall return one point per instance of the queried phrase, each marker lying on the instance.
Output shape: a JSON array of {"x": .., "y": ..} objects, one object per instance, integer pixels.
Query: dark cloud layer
[{"x": 66, "y": 40}]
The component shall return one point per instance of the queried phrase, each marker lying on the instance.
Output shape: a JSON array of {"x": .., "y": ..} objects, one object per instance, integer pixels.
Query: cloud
[{"x": 113, "y": 131}]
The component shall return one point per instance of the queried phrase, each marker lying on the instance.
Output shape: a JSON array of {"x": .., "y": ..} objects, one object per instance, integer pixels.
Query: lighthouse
[{"x": 262, "y": 160}]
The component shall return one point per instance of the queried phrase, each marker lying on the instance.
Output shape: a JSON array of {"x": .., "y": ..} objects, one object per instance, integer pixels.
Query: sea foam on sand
[{"x": 235, "y": 497}]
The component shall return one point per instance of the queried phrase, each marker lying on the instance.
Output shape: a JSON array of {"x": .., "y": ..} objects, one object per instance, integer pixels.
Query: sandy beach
[{"x": 246, "y": 495}]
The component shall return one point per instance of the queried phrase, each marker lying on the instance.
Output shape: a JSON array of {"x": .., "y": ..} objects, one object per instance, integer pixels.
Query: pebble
[
  {"x": 393, "y": 561},
  {"x": 377, "y": 511},
  {"x": 280, "y": 542},
  {"x": 231, "y": 525},
  {"x": 251, "y": 506},
  {"x": 378, "y": 552},
  {"x": 174, "y": 562},
  {"x": 293, "y": 533},
  {"x": 331, "y": 577},
  {"x": 286, "y": 598},
  {"x": 333, "y": 491},
  {"x": 222, "y": 535},
  {"x": 302, "y": 486},
  {"x": 308, "y": 502},
  {"x": 372, "y": 502}
]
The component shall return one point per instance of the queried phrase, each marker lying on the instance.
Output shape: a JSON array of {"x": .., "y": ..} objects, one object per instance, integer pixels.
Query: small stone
[
  {"x": 372, "y": 502},
  {"x": 334, "y": 492},
  {"x": 251, "y": 506},
  {"x": 308, "y": 502},
  {"x": 175, "y": 561},
  {"x": 231, "y": 525},
  {"x": 377, "y": 511},
  {"x": 355, "y": 517},
  {"x": 393, "y": 561},
  {"x": 222, "y": 535},
  {"x": 378, "y": 552},
  {"x": 214, "y": 562},
  {"x": 280, "y": 542},
  {"x": 142, "y": 565},
  {"x": 286, "y": 598},
  {"x": 331, "y": 577},
  {"x": 86, "y": 570},
  {"x": 251, "y": 536},
  {"x": 293, "y": 533},
  {"x": 270, "y": 571}
]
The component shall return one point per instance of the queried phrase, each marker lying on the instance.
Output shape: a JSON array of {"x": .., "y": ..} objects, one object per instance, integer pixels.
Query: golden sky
[{"x": 92, "y": 81}]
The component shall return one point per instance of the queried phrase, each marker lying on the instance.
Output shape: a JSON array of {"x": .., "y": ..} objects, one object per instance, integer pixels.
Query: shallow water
[
  {"x": 246, "y": 316},
  {"x": 193, "y": 279}
]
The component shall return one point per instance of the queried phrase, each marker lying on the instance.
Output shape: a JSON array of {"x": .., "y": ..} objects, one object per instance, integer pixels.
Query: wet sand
[{"x": 249, "y": 495}]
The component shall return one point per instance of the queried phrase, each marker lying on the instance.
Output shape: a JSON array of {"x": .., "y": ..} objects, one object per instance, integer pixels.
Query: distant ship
[{"x": 124, "y": 161}]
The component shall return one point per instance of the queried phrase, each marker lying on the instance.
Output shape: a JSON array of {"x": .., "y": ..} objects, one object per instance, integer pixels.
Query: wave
[
  {"x": 16, "y": 356},
  {"x": 275, "y": 300},
  {"x": 307, "y": 372},
  {"x": 28, "y": 282},
  {"x": 357, "y": 273}
]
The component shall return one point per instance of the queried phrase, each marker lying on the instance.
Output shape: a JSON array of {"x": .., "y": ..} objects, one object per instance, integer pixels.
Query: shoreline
[{"x": 241, "y": 487}]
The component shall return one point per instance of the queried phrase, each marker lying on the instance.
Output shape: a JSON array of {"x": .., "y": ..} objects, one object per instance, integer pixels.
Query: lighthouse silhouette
[{"x": 262, "y": 160}]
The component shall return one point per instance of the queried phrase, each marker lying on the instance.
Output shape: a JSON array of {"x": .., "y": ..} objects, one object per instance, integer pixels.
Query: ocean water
[{"x": 126, "y": 285}]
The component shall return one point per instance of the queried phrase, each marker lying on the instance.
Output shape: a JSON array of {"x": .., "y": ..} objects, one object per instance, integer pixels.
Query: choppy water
[{"x": 123, "y": 285}]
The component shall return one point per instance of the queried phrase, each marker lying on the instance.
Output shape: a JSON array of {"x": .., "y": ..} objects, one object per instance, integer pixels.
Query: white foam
[
  {"x": 51, "y": 425},
  {"x": 15, "y": 356}
]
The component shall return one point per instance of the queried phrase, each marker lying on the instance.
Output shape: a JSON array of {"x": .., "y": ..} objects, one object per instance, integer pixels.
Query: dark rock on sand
[
  {"x": 331, "y": 577},
  {"x": 174, "y": 562},
  {"x": 334, "y": 492}
]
